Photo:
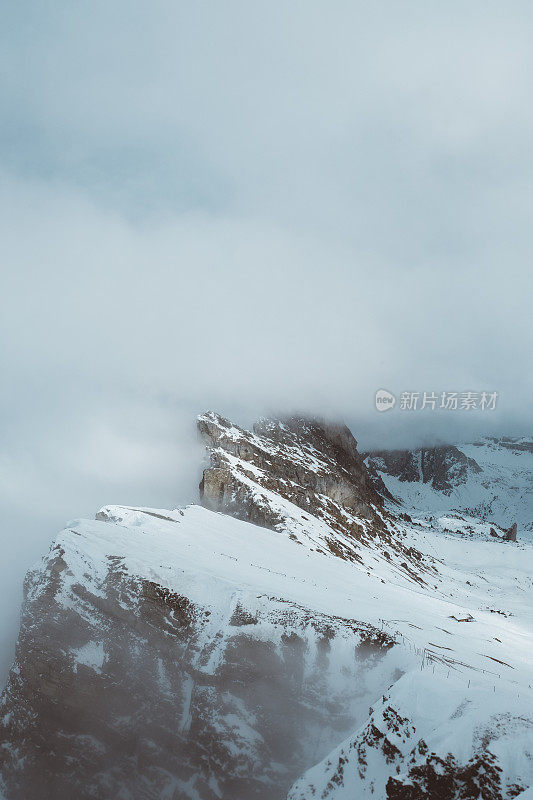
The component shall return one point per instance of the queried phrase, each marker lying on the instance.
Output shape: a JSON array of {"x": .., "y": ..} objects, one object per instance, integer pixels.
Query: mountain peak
[
  {"x": 313, "y": 464},
  {"x": 313, "y": 635}
]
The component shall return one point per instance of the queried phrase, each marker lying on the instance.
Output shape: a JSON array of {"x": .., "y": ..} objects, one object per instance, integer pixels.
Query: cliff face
[
  {"x": 124, "y": 687},
  {"x": 490, "y": 479},
  {"x": 442, "y": 467},
  {"x": 266, "y": 474},
  {"x": 307, "y": 462},
  {"x": 336, "y": 644}
]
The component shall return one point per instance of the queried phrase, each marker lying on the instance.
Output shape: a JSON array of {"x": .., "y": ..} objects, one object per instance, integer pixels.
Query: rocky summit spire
[
  {"x": 309, "y": 462},
  {"x": 344, "y": 645}
]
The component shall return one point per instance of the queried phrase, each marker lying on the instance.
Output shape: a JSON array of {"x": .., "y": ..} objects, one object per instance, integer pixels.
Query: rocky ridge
[
  {"x": 442, "y": 467},
  {"x": 313, "y": 464},
  {"x": 228, "y": 651},
  {"x": 490, "y": 480},
  {"x": 261, "y": 475}
]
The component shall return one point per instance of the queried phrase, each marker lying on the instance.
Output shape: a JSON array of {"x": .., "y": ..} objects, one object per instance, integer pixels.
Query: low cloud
[{"x": 251, "y": 208}]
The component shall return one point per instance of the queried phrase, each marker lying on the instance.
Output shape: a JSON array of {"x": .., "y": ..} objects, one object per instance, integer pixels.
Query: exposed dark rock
[
  {"x": 510, "y": 533},
  {"x": 311, "y": 463},
  {"x": 443, "y": 779},
  {"x": 296, "y": 458},
  {"x": 518, "y": 445},
  {"x": 156, "y": 715},
  {"x": 442, "y": 467}
]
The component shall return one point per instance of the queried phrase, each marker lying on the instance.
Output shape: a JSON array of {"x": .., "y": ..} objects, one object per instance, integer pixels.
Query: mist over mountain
[
  {"x": 271, "y": 210},
  {"x": 318, "y": 623}
]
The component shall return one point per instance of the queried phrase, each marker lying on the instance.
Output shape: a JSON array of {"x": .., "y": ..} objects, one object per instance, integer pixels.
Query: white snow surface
[
  {"x": 464, "y": 638},
  {"x": 501, "y": 493},
  {"x": 461, "y": 613},
  {"x": 90, "y": 655}
]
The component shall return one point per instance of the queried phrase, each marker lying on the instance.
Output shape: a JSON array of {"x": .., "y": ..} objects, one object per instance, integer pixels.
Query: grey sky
[{"x": 251, "y": 206}]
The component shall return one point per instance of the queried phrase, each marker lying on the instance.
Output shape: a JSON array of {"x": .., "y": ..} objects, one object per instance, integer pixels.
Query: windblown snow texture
[{"x": 314, "y": 629}]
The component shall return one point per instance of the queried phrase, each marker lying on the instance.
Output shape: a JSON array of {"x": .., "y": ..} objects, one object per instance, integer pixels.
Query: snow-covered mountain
[
  {"x": 313, "y": 629},
  {"x": 490, "y": 480}
]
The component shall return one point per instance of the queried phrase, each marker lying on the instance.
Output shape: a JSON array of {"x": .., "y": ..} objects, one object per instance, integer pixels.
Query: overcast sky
[{"x": 250, "y": 206}]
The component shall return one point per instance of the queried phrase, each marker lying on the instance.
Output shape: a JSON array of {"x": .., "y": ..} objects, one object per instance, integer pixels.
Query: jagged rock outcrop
[
  {"x": 510, "y": 533},
  {"x": 266, "y": 474},
  {"x": 490, "y": 479},
  {"x": 524, "y": 445},
  {"x": 299, "y": 459},
  {"x": 389, "y": 759},
  {"x": 446, "y": 779},
  {"x": 442, "y": 467}
]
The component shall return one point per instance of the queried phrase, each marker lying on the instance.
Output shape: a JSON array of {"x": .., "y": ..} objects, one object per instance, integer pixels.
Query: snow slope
[
  {"x": 458, "y": 683},
  {"x": 352, "y": 656},
  {"x": 501, "y": 491}
]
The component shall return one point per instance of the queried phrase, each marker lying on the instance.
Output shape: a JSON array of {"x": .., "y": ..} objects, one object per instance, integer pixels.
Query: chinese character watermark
[{"x": 445, "y": 401}]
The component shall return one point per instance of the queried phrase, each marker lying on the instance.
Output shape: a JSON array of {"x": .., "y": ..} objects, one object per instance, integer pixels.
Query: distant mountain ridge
[
  {"x": 443, "y": 467},
  {"x": 491, "y": 479}
]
